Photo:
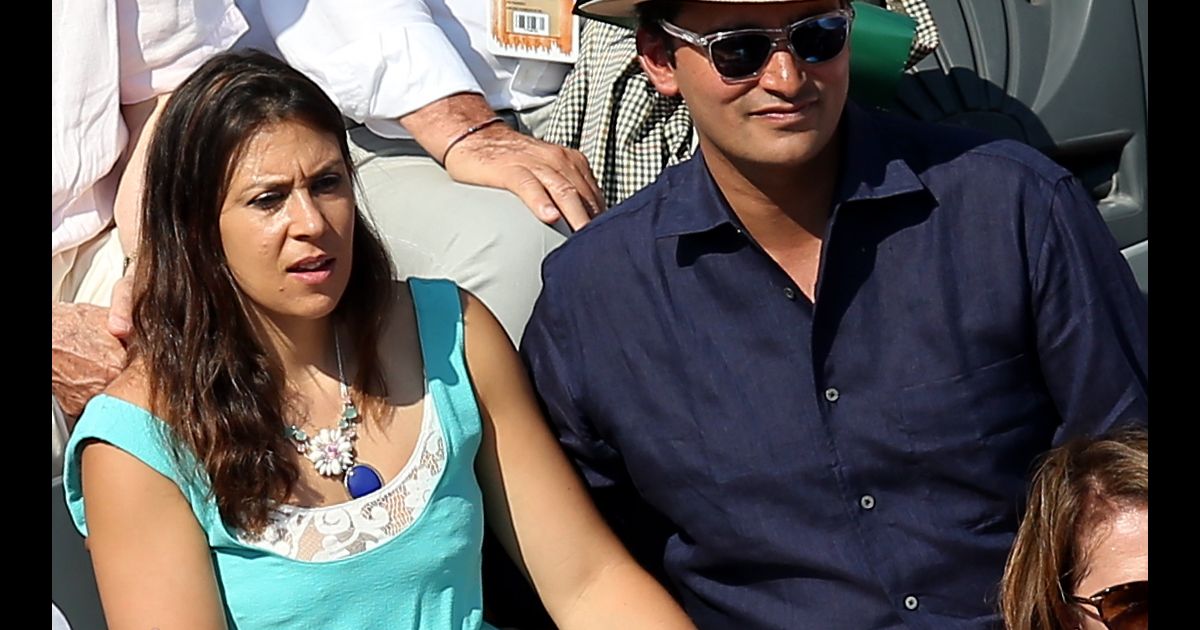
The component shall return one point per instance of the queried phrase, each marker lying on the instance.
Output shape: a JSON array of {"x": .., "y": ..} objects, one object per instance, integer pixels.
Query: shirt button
[
  {"x": 867, "y": 502},
  {"x": 832, "y": 394},
  {"x": 911, "y": 602},
  {"x": 789, "y": 293}
]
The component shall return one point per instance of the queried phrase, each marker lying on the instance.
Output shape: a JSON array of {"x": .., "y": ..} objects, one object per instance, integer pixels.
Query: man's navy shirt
[{"x": 857, "y": 461}]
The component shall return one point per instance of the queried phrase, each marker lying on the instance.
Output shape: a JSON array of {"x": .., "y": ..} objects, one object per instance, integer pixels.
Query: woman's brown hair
[
  {"x": 210, "y": 377},
  {"x": 1076, "y": 487}
]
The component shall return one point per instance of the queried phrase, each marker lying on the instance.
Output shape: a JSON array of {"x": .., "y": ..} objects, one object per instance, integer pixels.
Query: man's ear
[{"x": 657, "y": 61}]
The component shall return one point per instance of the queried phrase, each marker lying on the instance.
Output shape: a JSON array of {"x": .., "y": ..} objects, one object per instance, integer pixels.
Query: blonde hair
[{"x": 1076, "y": 486}]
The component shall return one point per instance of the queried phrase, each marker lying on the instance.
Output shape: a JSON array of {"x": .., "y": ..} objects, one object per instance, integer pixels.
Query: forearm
[
  {"x": 553, "y": 181},
  {"x": 140, "y": 119},
  {"x": 620, "y": 594},
  {"x": 435, "y": 125}
]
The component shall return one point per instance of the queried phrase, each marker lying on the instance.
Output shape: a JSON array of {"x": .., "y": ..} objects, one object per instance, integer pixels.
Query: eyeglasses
[
  {"x": 1121, "y": 607},
  {"x": 741, "y": 55}
]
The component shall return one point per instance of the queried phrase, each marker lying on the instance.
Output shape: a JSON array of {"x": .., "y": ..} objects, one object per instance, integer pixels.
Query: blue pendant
[{"x": 362, "y": 480}]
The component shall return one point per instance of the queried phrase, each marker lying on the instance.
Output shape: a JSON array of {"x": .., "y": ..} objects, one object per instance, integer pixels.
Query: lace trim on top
[{"x": 334, "y": 532}]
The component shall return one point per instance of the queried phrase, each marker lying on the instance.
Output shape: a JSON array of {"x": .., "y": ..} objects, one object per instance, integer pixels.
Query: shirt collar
[
  {"x": 871, "y": 169},
  {"x": 693, "y": 202}
]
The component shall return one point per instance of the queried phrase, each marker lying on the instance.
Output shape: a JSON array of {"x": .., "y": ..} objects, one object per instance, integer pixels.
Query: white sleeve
[
  {"x": 377, "y": 59},
  {"x": 164, "y": 41}
]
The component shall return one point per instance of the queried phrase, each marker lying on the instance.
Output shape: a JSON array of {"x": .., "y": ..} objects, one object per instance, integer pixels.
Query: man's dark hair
[{"x": 649, "y": 13}]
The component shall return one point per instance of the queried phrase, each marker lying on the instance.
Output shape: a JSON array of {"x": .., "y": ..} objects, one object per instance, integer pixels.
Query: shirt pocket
[
  {"x": 973, "y": 436},
  {"x": 973, "y": 408}
]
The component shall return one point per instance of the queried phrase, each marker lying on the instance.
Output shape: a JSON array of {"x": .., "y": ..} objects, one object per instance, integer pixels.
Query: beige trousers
[{"x": 484, "y": 239}]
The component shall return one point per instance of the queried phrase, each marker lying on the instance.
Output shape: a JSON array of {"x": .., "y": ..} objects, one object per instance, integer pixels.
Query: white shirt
[
  {"x": 382, "y": 59},
  {"x": 106, "y": 53}
]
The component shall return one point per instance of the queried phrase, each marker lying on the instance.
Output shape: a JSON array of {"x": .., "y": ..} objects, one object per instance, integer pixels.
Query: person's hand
[
  {"x": 554, "y": 181},
  {"x": 85, "y": 358},
  {"x": 120, "y": 311}
]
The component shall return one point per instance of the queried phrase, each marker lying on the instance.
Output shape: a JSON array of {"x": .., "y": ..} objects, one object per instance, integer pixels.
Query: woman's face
[
  {"x": 1116, "y": 555},
  {"x": 287, "y": 222}
]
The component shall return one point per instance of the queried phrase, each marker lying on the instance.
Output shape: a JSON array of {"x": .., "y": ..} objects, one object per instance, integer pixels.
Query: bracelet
[{"x": 470, "y": 130}]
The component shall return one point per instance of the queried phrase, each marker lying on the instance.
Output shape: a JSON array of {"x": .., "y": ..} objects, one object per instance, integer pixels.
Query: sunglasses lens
[
  {"x": 1128, "y": 608},
  {"x": 821, "y": 39},
  {"x": 740, "y": 56}
]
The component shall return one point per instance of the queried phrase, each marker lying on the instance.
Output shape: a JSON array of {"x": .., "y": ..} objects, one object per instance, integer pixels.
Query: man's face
[{"x": 784, "y": 117}]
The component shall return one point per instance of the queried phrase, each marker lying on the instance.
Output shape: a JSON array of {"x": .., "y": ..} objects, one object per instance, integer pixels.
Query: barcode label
[
  {"x": 531, "y": 23},
  {"x": 543, "y": 30}
]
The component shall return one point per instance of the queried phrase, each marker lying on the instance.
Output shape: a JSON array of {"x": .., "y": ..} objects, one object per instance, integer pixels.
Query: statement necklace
[{"x": 331, "y": 451}]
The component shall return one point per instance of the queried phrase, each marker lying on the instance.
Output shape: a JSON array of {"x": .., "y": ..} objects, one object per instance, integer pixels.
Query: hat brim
[
  {"x": 624, "y": 12},
  {"x": 619, "y": 12}
]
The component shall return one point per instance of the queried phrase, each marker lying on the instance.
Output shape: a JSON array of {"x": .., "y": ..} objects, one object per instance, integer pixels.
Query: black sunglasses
[
  {"x": 740, "y": 55},
  {"x": 1121, "y": 607}
]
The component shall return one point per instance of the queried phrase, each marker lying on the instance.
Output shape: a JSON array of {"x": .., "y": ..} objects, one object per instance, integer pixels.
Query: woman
[
  {"x": 1079, "y": 559},
  {"x": 299, "y": 442}
]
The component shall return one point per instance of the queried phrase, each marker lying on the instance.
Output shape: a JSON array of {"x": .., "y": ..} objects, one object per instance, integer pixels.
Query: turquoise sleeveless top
[{"x": 427, "y": 576}]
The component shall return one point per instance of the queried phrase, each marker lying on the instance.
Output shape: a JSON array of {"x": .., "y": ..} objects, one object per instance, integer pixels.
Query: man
[
  {"x": 627, "y": 130},
  {"x": 806, "y": 372},
  {"x": 114, "y": 66}
]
